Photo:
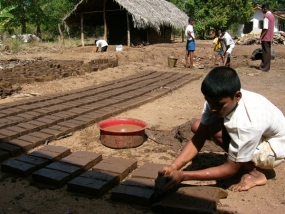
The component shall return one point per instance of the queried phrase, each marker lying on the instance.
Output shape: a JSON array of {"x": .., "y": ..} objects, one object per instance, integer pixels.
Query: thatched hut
[{"x": 125, "y": 21}]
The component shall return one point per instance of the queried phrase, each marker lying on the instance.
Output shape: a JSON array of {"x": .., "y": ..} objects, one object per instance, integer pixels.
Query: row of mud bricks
[
  {"x": 89, "y": 174},
  {"x": 30, "y": 123},
  {"x": 42, "y": 71}
]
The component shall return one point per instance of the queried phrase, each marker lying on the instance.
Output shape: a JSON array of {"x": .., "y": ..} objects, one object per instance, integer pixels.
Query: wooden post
[
  {"x": 182, "y": 35},
  {"x": 60, "y": 38},
  {"x": 82, "y": 33},
  {"x": 128, "y": 30},
  {"x": 105, "y": 22}
]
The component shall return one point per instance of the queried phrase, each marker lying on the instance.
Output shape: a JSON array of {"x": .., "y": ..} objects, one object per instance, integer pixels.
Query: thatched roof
[{"x": 144, "y": 13}]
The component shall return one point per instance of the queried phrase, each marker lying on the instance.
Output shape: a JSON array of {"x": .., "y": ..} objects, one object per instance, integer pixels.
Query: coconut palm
[{"x": 5, "y": 14}]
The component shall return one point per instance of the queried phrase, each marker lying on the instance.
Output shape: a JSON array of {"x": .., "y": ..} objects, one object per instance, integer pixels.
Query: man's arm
[
  {"x": 189, "y": 151},
  {"x": 97, "y": 49},
  {"x": 228, "y": 169}
]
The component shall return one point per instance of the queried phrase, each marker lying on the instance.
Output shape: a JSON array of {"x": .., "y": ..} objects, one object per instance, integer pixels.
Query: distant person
[
  {"x": 102, "y": 44},
  {"x": 218, "y": 49},
  {"x": 190, "y": 44},
  {"x": 229, "y": 46},
  {"x": 266, "y": 37},
  {"x": 245, "y": 124}
]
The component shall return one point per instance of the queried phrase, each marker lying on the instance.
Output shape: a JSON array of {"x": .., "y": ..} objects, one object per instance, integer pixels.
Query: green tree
[
  {"x": 274, "y": 5},
  {"x": 216, "y": 14},
  {"x": 5, "y": 15}
]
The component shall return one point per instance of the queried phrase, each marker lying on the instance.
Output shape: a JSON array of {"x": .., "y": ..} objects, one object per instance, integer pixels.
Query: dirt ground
[{"x": 20, "y": 195}]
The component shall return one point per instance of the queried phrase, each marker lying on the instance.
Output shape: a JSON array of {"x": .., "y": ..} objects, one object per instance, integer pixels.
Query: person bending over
[
  {"x": 245, "y": 124},
  {"x": 102, "y": 44}
]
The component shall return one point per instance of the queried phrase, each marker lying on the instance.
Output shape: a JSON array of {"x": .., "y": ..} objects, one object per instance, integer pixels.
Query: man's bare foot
[{"x": 248, "y": 181}]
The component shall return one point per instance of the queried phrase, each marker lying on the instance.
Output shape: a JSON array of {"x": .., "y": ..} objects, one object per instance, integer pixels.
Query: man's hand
[
  {"x": 167, "y": 170},
  {"x": 165, "y": 182},
  {"x": 259, "y": 41}
]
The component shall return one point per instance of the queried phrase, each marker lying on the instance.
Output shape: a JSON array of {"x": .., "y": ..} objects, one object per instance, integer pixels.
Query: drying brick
[
  {"x": 24, "y": 145},
  {"x": 74, "y": 171},
  {"x": 51, "y": 177},
  {"x": 32, "y": 139},
  {"x": 3, "y": 155},
  {"x": 84, "y": 160},
  {"x": 133, "y": 195},
  {"x": 19, "y": 130},
  {"x": 18, "y": 167},
  {"x": 12, "y": 149},
  {"x": 39, "y": 162}
]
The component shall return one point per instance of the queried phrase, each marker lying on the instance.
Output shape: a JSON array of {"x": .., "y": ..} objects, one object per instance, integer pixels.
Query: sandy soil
[{"x": 21, "y": 196}]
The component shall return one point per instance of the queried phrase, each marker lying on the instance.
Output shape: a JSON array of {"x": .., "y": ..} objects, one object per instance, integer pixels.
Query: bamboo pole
[
  {"x": 128, "y": 30},
  {"x": 105, "y": 22},
  {"x": 82, "y": 33}
]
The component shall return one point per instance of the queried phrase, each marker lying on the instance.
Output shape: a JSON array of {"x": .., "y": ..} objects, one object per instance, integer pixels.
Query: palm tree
[{"x": 5, "y": 15}]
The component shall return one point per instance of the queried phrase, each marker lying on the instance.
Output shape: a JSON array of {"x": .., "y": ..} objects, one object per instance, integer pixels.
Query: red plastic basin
[{"x": 122, "y": 133}]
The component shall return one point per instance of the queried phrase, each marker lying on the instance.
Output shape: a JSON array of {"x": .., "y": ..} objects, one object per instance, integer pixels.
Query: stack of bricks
[
  {"x": 32, "y": 122},
  {"x": 101, "y": 64}
]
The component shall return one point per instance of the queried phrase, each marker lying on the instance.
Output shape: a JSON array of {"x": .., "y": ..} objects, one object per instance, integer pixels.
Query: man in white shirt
[
  {"x": 245, "y": 124},
  {"x": 229, "y": 46},
  {"x": 190, "y": 44},
  {"x": 102, "y": 44}
]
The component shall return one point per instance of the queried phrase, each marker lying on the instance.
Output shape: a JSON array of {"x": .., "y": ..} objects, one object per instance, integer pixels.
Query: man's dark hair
[
  {"x": 223, "y": 30},
  {"x": 265, "y": 6},
  {"x": 95, "y": 41},
  {"x": 221, "y": 82},
  {"x": 191, "y": 19}
]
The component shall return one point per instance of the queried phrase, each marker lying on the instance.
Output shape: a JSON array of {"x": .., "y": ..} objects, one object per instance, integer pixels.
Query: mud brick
[
  {"x": 190, "y": 199},
  {"x": 47, "y": 121},
  {"x": 11, "y": 111},
  {"x": 31, "y": 139},
  {"x": 25, "y": 108},
  {"x": 29, "y": 127},
  {"x": 56, "y": 131},
  {"x": 43, "y": 111},
  {"x": 34, "y": 114},
  {"x": 40, "y": 125},
  {"x": 82, "y": 159},
  {"x": 15, "y": 119},
  {"x": 37, "y": 105},
  {"x": 2, "y": 115},
  {"x": 78, "y": 111},
  {"x": 19, "y": 130},
  {"x": 59, "y": 149},
  {"x": 10, "y": 134},
  {"x": 12, "y": 149},
  {"x": 106, "y": 113},
  {"x": 54, "y": 118},
  {"x": 139, "y": 182},
  {"x": 39, "y": 162},
  {"x": 18, "y": 168},
  {"x": 51, "y": 177},
  {"x": 3, "y": 155},
  {"x": 4, "y": 122},
  {"x": 63, "y": 115},
  {"x": 153, "y": 166},
  {"x": 117, "y": 168},
  {"x": 3, "y": 138},
  {"x": 24, "y": 145},
  {"x": 45, "y": 137},
  {"x": 25, "y": 116},
  {"x": 71, "y": 126},
  {"x": 133, "y": 195},
  {"x": 74, "y": 171},
  {"x": 54, "y": 109},
  {"x": 133, "y": 164},
  {"x": 87, "y": 120},
  {"x": 51, "y": 155},
  {"x": 148, "y": 170},
  {"x": 94, "y": 183}
]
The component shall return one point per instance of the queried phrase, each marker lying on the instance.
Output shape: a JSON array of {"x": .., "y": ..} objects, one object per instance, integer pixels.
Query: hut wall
[{"x": 163, "y": 37}]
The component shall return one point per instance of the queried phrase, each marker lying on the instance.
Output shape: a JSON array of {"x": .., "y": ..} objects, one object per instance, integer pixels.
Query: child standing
[{"x": 218, "y": 48}]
